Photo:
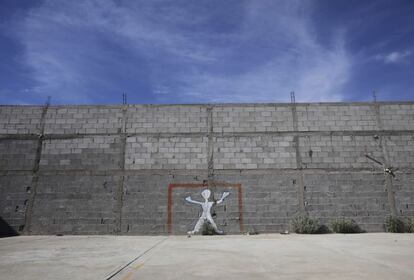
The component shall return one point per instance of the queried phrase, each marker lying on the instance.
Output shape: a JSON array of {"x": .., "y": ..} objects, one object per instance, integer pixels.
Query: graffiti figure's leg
[
  {"x": 197, "y": 227},
  {"x": 213, "y": 224}
]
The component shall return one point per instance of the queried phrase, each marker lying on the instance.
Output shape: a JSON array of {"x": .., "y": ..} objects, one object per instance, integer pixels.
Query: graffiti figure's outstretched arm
[
  {"x": 223, "y": 196},
  {"x": 188, "y": 198}
]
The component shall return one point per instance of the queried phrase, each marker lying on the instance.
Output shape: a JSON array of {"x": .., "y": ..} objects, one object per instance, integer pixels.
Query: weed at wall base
[
  {"x": 345, "y": 226},
  {"x": 410, "y": 225},
  {"x": 304, "y": 224},
  {"x": 394, "y": 224}
]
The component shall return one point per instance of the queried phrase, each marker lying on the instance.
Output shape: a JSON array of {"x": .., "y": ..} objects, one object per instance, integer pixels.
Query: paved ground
[{"x": 275, "y": 256}]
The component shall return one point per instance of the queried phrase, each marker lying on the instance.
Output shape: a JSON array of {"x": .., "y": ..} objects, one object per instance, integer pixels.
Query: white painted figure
[{"x": 206, "y": 215}]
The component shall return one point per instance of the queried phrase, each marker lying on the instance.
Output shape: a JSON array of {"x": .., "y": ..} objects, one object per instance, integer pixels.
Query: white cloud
[
  {"x": 164, "y": 32},
  {"x": 394, "y": 57},
  {"x": 299, "y": 63}
]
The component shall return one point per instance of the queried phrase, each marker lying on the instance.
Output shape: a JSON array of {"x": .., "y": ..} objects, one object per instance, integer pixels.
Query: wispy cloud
[
  {"x": 258, "y": 51},
  {"x": 394, "y": 57},
  {"x": 290, "y": 58}
]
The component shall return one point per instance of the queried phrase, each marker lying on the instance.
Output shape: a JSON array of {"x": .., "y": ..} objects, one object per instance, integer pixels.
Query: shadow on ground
[{"x": 6, "y": 230}]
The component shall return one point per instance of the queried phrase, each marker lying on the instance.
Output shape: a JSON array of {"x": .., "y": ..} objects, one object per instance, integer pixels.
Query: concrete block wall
[
  {"x": 20, "y": 119},
  {"x": 83, "y": 120},
  {"x": 90, "y": 152},
  {"x": 339, "y": 151},
  {"x": 397, "y": 116},
  {"x": 109, "y": 169},
  {"x": 166, "y": 119},
  {"x": 336, "y": 117},
  {"x": 360, "y": 196},
  {"x": 15, "y": 189},
  {"x": 404, "y": 195},
  {"x": 269, "y": 198},
  {"x": 252, "y": 118},
  {"x": 17, "y": 154},
  {"x": 179, "y": 152},
  {"x": 254, "y": 152},
  {"x": 401, "y": 150},
  {"x": 69, "y": 204}
]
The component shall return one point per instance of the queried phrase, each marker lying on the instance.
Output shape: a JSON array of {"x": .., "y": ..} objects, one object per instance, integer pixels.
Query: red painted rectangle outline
[{"x": 173, "y": 186}]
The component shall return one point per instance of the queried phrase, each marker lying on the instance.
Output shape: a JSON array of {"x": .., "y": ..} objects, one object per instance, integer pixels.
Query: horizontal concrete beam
[{"x": 215, "y": 134}]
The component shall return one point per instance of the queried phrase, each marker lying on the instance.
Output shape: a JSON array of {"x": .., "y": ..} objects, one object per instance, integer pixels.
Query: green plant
[
  {"x": 304, "y": 224},
  {"x": 345, "y": 226},
  {"x": 410, "y": 225},
  {"x": 393, "y": 224}
]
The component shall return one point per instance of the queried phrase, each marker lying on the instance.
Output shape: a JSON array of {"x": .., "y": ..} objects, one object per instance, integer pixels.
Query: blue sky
[{"x": 91, "y": 51}]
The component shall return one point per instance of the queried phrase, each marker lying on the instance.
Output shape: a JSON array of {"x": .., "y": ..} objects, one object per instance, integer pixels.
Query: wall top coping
[{"x": 223, "y": 105}]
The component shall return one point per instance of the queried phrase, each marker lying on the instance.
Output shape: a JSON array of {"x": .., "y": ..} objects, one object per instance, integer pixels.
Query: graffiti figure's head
[{"x": 206, "y": 194}]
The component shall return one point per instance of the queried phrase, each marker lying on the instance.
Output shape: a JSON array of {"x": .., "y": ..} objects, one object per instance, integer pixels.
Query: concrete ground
[{"x": 270, "y": 256}]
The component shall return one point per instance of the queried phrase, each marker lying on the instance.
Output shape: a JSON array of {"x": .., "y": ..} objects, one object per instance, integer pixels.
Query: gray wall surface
[{"x": 127, "y": 169}]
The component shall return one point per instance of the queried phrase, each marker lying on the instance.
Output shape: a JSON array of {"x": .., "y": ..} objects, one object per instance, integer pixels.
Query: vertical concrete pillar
[
  {"x": 383, "y": 146},
  {"x": 210, "y": 147},
  {"x": 35, "y": 170},
  {"x": 120, "y": 184},
  {"x": 300, "y": 183}
]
